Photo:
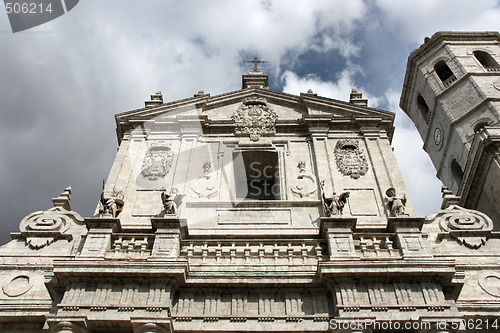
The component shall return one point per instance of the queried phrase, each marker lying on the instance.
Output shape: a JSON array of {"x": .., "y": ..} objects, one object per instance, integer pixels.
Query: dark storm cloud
[{"x": 61, "y": 83}]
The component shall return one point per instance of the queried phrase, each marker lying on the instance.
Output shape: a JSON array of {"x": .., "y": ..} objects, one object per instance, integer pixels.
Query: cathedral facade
[{"x": 254, "y": 211}]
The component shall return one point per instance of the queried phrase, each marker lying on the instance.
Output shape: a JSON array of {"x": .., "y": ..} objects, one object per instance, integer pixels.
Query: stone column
[
  {"x": 67, "y": 324},
  {"x": 151, "y": 325}
]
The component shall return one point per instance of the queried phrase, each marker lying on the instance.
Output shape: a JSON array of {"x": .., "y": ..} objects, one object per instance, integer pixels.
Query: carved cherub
[
  {"x": 335, "y": 204},
  {"x": 396, "y": 204}
]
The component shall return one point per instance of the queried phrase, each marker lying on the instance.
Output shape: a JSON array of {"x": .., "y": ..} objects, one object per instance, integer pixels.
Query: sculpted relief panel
[
  {"x": 254, "y": 118},
  {"x": 158, "y": 161},
  {"x": 17, "y": 284},
  {"x": 205, "y": 186},
  {"x": 350, "y": 159},
  {"x": 490, "y": 283},
  {"x": 305, "y": 185}
]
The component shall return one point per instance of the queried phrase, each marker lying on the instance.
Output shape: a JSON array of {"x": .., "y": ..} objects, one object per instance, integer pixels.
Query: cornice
[{"x": 334, "y": 112}]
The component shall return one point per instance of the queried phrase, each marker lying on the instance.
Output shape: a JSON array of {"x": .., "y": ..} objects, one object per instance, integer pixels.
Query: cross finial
[{"x": 255, "y": 61}]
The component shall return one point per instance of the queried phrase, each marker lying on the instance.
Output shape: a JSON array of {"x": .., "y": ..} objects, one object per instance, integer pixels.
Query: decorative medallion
[
  {"x": 157, "y": 161},
  {"x": 18, "y": 284},
  {"x": 254, "y": 118},
  {"x": 467, "y": 226},
  {"x": 351, "y": 160},
  {"x": 44, "y": 227},
  {"x": 305, "y": 184},
  {"x": 438, "y": 136},
  {"x": 490, "y": 283}
]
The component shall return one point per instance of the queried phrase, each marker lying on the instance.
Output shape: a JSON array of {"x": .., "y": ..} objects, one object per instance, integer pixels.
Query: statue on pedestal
[
  {"x": 396, "y": 204},
  {"x": 171, "y": 201},
  {"x": 335, "y": 204},
  {"x": 111, "y": 205}
]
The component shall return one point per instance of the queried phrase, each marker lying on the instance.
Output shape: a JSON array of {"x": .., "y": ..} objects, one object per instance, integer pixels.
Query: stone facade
[
  {"x": 254, "y": 211},
  {"x": 452, "y": 94}
]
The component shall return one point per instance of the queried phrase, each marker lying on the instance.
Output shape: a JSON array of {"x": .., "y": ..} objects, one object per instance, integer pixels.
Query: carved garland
[
  {"x": 254, "y": 118},
  {"x": 351, "y": 160}
]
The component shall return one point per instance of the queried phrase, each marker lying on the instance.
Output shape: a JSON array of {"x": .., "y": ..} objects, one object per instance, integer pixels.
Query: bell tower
[{"x": 451, "y": 92}]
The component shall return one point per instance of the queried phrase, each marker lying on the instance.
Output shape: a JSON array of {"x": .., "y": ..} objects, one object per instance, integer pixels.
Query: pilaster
[
  {"x": 338, "y": 233},
  {"x": 167, "y": 237},
  {"x": 409, "y": 236},
  {"x": 99, "y": 234}
]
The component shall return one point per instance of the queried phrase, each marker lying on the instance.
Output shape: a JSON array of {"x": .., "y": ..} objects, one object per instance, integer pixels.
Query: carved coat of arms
[
  {"x": 255, "y": 118},
  {"x": 158, "y": 160},
  {"x": 351, "y": 160}
]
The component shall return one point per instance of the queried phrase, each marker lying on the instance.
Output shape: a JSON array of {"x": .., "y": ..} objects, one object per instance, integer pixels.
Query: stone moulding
[
  {"x": 350, "y": 159},
  {"x": 254, "y": 118},
  {"x": 490, "y": 283},
  {"x": 469, "y": 227},
  {"x": 17, "y": 284}
]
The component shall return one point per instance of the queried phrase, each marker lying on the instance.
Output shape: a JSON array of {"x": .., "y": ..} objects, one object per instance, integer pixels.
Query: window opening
[
  {"x": 423, "y": 107},
  {"x": 444, "y": 72},
  {"x": 479, "y": 126},
  {"x": 456, "y": 172},
  {"x": 487, "y": 61},
  {"x": 259, "y": 180}
]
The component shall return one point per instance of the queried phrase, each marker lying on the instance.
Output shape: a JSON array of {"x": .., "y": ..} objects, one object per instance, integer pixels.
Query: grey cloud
[{"x": 62, "y": 82}]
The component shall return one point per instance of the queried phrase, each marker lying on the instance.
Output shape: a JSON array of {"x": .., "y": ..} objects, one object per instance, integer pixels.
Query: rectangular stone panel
[
  {"x": 362, "y": 202},
  {"x": 253, "y": 216},
  {"x": 147, "y": 203}
]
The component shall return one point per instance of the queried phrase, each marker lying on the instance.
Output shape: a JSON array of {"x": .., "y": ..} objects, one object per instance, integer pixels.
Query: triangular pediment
[{"x": 222, "y": 108}]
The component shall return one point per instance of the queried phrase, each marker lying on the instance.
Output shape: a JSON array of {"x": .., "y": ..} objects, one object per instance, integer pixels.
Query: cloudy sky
[{"x": 62, "y": 82}]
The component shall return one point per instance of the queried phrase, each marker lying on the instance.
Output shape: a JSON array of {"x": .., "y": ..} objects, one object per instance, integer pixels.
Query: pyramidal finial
[{"x": 63, "y": 199}]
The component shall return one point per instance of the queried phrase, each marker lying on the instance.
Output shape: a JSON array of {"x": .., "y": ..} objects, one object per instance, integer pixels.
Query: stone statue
[
  {"x": 110, "y": 206},
  {"x": 396, "y": 204},
  {"x": 171, "y": 201},
  {"x": 335, "y": 204}
]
